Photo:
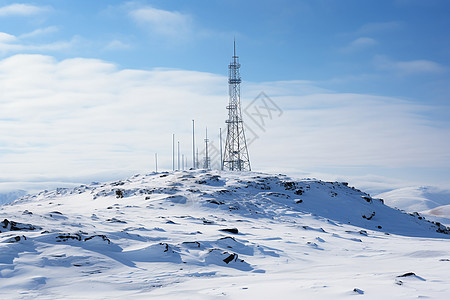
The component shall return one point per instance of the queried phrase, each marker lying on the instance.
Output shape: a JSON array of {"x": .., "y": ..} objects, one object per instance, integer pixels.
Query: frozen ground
[{"x": 218, "y": 235}]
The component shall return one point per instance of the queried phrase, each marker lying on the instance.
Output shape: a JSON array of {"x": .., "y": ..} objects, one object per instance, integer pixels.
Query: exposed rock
[
  {"x": 15, "y": 226},
  {"x": 230, "y": 230}
]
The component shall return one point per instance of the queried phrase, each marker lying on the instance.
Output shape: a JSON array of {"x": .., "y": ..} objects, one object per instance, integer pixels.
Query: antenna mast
[
  {"x": 206, "y": 164},
  {"x": 236, "y": 153}
]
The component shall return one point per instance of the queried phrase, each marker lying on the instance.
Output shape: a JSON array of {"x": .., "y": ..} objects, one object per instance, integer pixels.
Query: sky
[{"x": 339, "y": 90}]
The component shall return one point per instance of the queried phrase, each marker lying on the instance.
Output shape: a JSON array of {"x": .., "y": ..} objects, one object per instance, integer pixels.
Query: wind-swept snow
[{"x": 205, "y": 234}]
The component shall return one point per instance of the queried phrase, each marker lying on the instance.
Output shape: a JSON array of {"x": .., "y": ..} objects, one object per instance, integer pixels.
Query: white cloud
[
  {"x": 408, "y": 67},
  {"x": 39, "y": 32},
  {"x": 117, "y": 45},
  {"x": 170, "y": 24},
  {"x": 360, "y": 44},
  {"x": 379, "y": 27},
  {"x": 20, "y": 9},
  {"x": 12, "y": 44},
  {"x": 6, "y": 37}
]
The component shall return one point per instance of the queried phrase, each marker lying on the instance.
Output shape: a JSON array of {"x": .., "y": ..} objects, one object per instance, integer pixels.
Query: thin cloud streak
[
  {"x": 20, "y": 9},
  {"x": 168, "y": 24},
  {"x": 420, "y": 66}
]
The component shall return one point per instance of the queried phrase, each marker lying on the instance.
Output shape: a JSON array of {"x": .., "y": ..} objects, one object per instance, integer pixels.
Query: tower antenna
[
  {"x": 207, "y": 159},
  {"x": 236, "y": 152},
  {"x": 193, "y": 144}
]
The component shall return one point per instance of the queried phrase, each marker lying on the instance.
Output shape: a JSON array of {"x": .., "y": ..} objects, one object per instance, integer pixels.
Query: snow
[
  {"x": 10, "y": 196},
  {"x": 208, "y": 234},
  {"x": 432, "y": 202}
]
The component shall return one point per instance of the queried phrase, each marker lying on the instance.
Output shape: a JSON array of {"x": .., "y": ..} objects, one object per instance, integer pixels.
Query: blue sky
[{"x": 93, "y": 87}]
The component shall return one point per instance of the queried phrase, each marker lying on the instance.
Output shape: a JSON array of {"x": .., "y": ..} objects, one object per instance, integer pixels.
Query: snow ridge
[{"x": 163, "y": 229}]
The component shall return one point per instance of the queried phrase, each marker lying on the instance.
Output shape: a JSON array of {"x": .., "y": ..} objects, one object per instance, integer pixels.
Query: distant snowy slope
[
  {"x": 207, "y": 234},
  {"x": 427, "y": 200},
  {"x": 7, "y": 197}
]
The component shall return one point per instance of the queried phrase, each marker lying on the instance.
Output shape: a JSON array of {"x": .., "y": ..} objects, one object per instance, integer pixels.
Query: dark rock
[
  {"x": 299, "y": 201},
  {"x": 369, "y": 217},
  {"x": 119, "y": 194},
  {"x": 215, "y": 202},
  {"x": 230, "y": 230},
  {"x": 298, "y": 192},
  {"x": 15, "y": 226},
  {"x": 368, "y": 199},
  {"x": 17, "y": 239},
  {"x": 66, "y": 237},
  {"x": 407, "y": 274},
  {"x": 359, "y": 291},
  {"x": 114, "y": 220},
  {"x": 193, "y": 244},
  {"x": 102, "y": 236},
  {"x": 289, "y": 185},
  {"x": 230, "y": 258}
]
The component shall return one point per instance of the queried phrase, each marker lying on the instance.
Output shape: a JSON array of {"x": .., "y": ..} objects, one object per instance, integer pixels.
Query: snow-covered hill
[
  {"x": 7, "y": 197},
  {"x": 208, "y": 235},
  {"x": 427, "y": 200}
]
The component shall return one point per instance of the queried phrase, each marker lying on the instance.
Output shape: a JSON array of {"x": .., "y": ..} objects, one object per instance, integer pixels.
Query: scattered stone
[
  {"x": 192, "y": 244},
  {"x": 289, "y": 185},
  {"x": 368, "y": 199},
  {"x": 102, "y": 236},
  {"x": 16, "y": 239},
  {"x": 230, "y": 258},
  {"x": 27, "y": 212},
  {"x": 16, "y": 226},
  {"x": 119, "y": 194},
  {"x": 114, "y": 220},
  {"x": 66, "y": 237},
  {"x": 407, "y": 274},
  {"x": 215, "y": 202},
  {"x": 369, "y": 217},
  {"x": 298, "y": 192},
  {"x": 230, "y": 230},
  {"x": 299, "y": 201},
  {"x": 359, "y": 291}
]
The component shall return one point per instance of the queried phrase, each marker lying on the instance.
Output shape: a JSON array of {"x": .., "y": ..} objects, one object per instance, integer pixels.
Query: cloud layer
[
  {"x": 20, "y": 9},
  {"x": 78, "y": 117}
]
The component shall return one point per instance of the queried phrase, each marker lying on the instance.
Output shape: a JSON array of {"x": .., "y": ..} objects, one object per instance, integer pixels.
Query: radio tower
[{"x": 236, "y": 153}]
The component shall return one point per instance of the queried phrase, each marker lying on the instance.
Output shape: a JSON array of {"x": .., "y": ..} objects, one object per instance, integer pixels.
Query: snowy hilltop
[{"x": 208, "y": 234}]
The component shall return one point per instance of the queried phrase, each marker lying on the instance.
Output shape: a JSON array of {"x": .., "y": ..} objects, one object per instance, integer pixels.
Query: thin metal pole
[
  {"x": 193, "y": 144},
  {"x": 207, "y": 158},
  {"x": 221, "y": 159},
  {"x": 173, "y": 151},
  {"x": 178, "y": 155},
  {"x": 197, "y": 166},
  {"x": 156, "y": 162}
]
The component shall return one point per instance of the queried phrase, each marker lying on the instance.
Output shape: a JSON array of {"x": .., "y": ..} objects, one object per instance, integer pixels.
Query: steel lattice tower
[{"x": 236, "y": 153}]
